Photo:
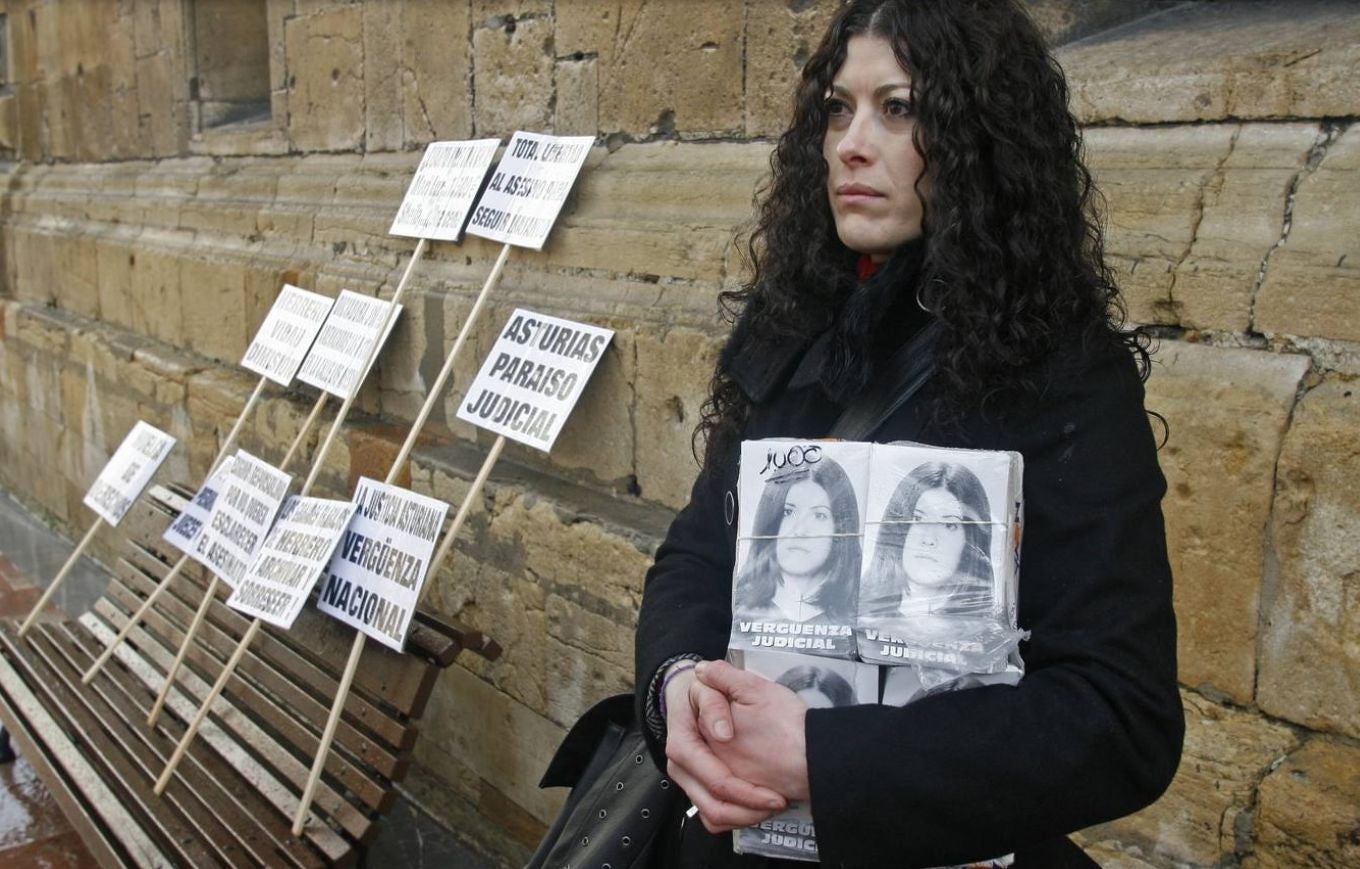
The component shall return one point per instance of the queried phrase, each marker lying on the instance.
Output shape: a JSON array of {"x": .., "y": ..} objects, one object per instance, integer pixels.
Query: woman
[
  {"x": 932, "y": 151},
  {"x": 931, "y": 556},
  {"x": 805, "y": 553}
]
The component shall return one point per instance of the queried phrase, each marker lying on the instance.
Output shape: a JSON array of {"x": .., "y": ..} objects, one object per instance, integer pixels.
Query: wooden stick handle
[
  {"x": 302, "y": 433},
  {"x": 208, "y": 597},
  {"x": 328, "y": 735},
  {"x": 437, "y": 388},
  {"x": 319, "y": 460},
  {"x": 203, "y": 710},
  {"x": 61, "y": 575},
  {"x": 463, "y": 510},
  {"x": 135, "y": 620}
]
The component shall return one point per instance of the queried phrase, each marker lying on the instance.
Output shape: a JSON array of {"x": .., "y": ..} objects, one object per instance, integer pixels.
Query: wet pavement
[{"x": 34, "y": 834}]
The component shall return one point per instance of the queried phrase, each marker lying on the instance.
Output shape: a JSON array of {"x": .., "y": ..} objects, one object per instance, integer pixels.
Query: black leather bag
[{"x": 619, "y": 800}]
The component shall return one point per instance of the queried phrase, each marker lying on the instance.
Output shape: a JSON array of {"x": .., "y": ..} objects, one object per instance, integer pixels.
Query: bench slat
[
  {"x": 227, "y": 626},
  {"x": 208, "y": 780},
  {"x": 270, "y": 768},
  {"x": 143, "y": 753},
  {"x": 169, "y": 618},
  {"x": 282, "y": 711},
  {"x": 82, "y": 794},
  {"x": 172, "y": 834}
]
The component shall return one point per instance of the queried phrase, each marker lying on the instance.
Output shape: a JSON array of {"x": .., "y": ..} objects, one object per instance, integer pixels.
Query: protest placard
[
  {"x": 240, "y": 517},
  {"x": 528, "y": 188},
  {"x": 533, "y": 377},
  {"x": 286, "y": 334},
  {"x": 335, "y": 362},
  {"x": 443, "y": 189},
  {"x": 184, "y": 531},
  {"x": 374, "y": 579},
  {"x": 127, "y": 473},
  {"x": 293, "y": 555}
]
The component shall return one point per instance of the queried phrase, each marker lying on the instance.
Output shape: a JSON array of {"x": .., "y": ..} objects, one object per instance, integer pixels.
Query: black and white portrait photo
[
  {"x": 799, "y": 549},
  {"x": 931, "y": 558},
  {"x": 940, "y": 563}
]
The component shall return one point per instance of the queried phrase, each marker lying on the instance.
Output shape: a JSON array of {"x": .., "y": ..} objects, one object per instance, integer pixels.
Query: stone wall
[{"x": 145, "y": 233}]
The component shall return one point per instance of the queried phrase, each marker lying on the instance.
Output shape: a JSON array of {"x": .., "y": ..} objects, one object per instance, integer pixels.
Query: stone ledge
[{"x": 1220, "y": 61}]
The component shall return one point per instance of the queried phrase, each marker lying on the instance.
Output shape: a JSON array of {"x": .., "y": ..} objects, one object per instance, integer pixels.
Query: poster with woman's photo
[
  {"x": 941, "y": 558},
  {"x": 799, "y": 543},
  {"x": 821, "y": 683}
]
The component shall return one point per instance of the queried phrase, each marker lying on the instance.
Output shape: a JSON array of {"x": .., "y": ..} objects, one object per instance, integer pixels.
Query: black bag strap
[{"x": 906, "y": 372}]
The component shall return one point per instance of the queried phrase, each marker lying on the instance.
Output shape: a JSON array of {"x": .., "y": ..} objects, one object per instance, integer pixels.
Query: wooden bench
[{"x": 232, "y": 799}]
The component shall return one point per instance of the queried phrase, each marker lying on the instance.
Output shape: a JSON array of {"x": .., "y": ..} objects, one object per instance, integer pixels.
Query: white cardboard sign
[
  {"x": 374, "y": 580},
  {"x": 443, "y": 189},
  {"x": 241, "y": 517},
  {"x": 286, "y": 334},
  {"x": 345, "y": 342},
  {"x": 133, "y": 465},
  {"x": 528, "y": 188},
  {"x": 189, "y": 523},
  {"x": 292, "y": 557},
  {"x": 533, "y": 377}
]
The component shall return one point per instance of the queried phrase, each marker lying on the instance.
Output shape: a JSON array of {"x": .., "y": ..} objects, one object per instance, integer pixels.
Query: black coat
[{"x": 1094, "y": 730}]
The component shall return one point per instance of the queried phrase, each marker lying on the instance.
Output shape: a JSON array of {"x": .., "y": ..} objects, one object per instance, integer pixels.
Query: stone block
[
  {"x": 590, "y": 657},
  {"x": 1063, "y": 21},
  {"x": 456, "y": 309},
  {"x": 1211, "y": 62},
  {"x": 1241, "y": 220},
  {"x": 1226, "y": 754},
  {"x": 1310, "y": 666},
  {"x": 512, "y": 67},
  {"x": 1155, "y": 181},
  {"x": 472, "y": 724},
  {"x": 662, "y": 210},
  {"x": 213, "y": 318},
  {"x": 113, "y": 266},
  {"x": 1313, "y": 281},
  {"x": 1227, "y": 411},
  {"x": 216, "y": 398},
  {"x": 165, "y": 118},
  {"x": 599, "y": 435},
  {"x": 383, "y": 26},
  {"x": 1308, "y": 811},
  {"x": 577, "y": 109},
  {"x": 672, "y": 384},
  {"x": 325, "y": 54},
  {"x": 156, "y": 299},
  {"x": 435, "y": 79},
  {"x": 76, "y": 275},
  {"x": 672, "y": 68},
  {"x": 780, "y": 37},
  {"x": 33, "y": 256},
  {"x": 484, "y": 9}
]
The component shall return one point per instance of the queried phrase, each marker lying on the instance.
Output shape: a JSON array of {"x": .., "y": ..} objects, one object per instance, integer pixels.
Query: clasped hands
[{"x": 735, "y": 744}]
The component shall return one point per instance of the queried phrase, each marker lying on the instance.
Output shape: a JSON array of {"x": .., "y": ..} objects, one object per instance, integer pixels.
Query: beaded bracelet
[{"x": 676, "y": 670}]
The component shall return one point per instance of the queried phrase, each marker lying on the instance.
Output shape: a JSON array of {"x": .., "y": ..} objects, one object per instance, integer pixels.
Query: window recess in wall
[{"x": 229, "y": 86}]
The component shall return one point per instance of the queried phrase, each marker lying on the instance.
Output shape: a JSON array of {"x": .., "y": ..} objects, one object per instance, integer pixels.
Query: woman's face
[
  {"x": 805, "y": 530},
  {"x": 872, "y": 162},
  {"x": 934, "y": 545}
]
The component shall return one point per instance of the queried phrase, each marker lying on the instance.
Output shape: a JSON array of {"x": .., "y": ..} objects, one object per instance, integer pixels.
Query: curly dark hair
[{"x": 1014, "y": 259}]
